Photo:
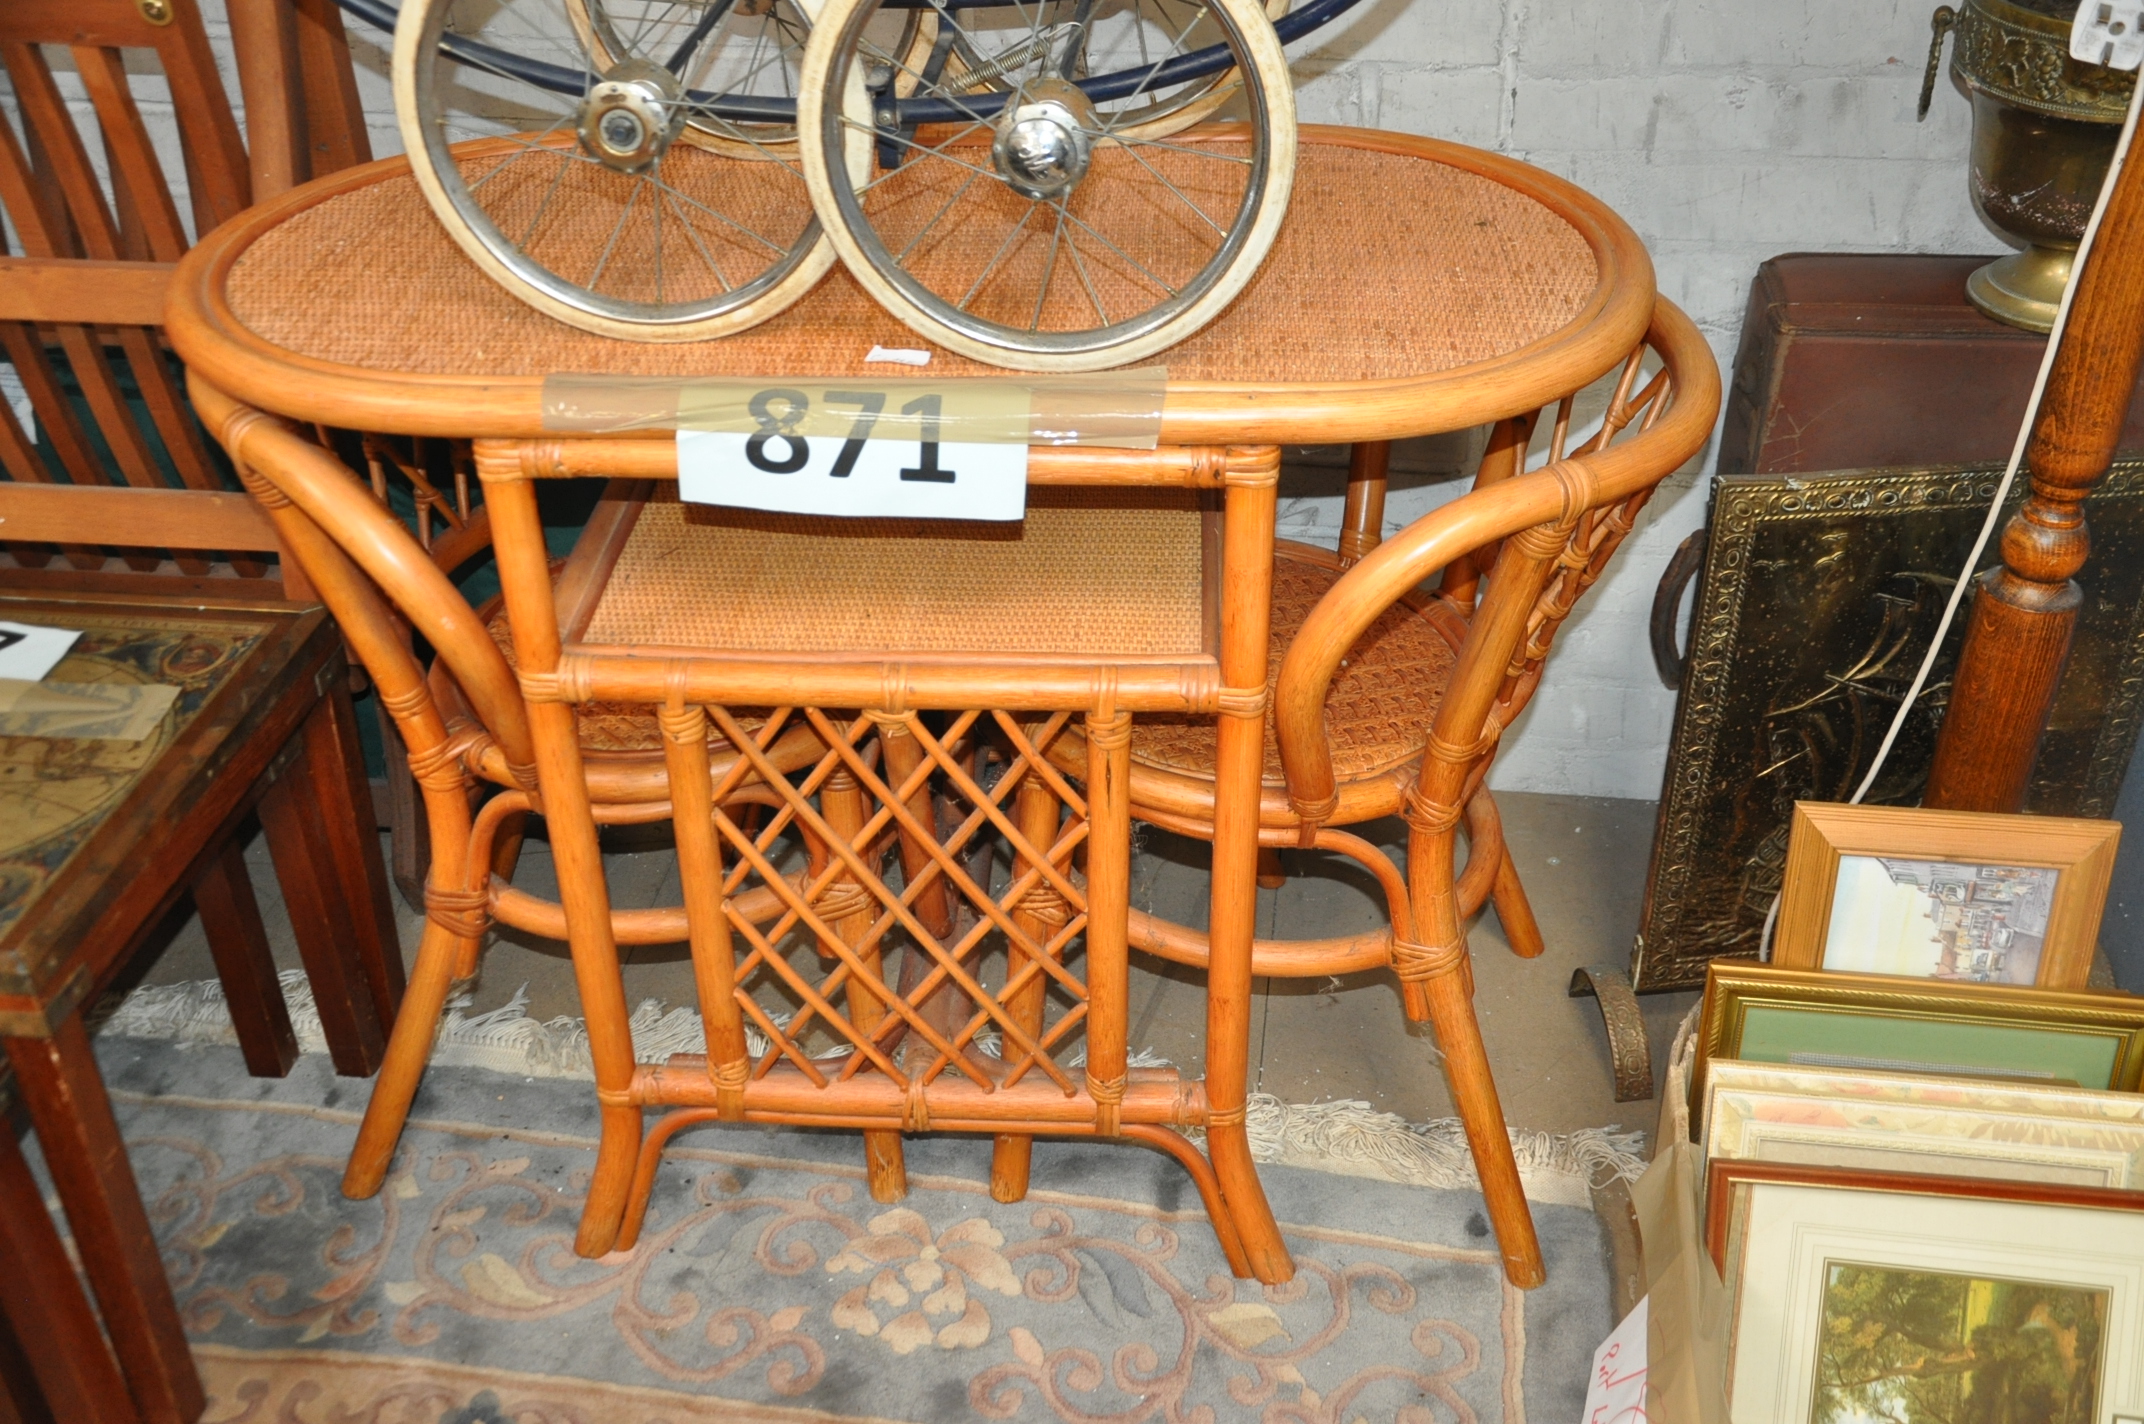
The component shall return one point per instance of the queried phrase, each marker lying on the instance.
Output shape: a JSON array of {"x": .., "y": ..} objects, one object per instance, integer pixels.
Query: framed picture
[
  {"x": 1903, "y": 1122},
  {"x": 1885, "y": 1296},
  {"x": 1957, "y": 896},
  {"x": 1813, "y": 1018}
]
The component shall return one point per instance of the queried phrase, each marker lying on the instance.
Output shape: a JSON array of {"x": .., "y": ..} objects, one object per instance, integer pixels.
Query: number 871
[{"x": 868, "y": 405}]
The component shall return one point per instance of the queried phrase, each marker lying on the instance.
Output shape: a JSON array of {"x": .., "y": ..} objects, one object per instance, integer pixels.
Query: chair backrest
[
  {"x": 1543, "y": 539},
  {"x": 94, "y": 220}
]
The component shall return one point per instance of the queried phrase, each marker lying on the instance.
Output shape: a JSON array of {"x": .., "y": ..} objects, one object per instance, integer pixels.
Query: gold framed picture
[
  {"x": 1874, "y": 1296},
  {"x": 1956, "y": 896},
  {"x": 1814, "y": 1018}
]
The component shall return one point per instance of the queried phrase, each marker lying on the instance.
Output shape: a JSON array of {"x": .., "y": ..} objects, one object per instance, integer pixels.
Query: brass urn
[{"x": 2044, "y": 130}]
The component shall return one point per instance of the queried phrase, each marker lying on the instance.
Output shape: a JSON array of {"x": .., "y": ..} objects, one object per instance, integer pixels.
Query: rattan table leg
[
  {"x": 525, "y": 575},
  {"x": 1239, "y": 761},
  {"x": 1039, "y": 916}
]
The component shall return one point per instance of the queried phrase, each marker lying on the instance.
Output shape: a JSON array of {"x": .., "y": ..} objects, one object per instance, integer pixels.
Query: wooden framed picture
[
  {"x": 1887, "y": 1296},
  {"x": 1957, "y": 896},
  {"x": 1909, "y": 1122},
  {"x": 1813, "y": 1018}
]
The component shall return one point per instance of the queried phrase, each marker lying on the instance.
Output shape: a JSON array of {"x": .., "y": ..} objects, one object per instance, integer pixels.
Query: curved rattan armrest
[
  {"x": 1475, "y": 521},
  {"x": 318, "y": 483}
]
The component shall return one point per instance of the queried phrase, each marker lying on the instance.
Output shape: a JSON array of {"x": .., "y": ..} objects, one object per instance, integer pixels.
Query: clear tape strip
[{"x": 1111, "y": 409}]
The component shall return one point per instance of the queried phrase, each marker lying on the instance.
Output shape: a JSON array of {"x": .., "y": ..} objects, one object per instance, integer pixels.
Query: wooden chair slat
[
  {"x": 28, "y": 197},
  {"x": 334, "y": 115},
  {"x": 171, "y": 519},
  {"x": 43, "y": 289},
  {"x": 168, "y": 411},
  {"x": 55, "y": 413},
  {"x": 220, "y": 184},
  {"x": 59, "y": 145},
  {"x": 107, "y": 403},
  {"x": 132, "y": 158}
]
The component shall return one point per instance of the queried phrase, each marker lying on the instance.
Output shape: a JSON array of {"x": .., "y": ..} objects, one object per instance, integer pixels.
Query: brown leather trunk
[{"x": 1855, "y": 361}]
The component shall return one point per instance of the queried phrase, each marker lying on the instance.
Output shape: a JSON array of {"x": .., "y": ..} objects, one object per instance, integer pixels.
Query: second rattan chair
[{"x": 1388, "y": 699}]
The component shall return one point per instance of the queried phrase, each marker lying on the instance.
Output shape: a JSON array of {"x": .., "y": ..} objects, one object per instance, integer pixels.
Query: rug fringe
[{"x": 1348, "y": 1137}]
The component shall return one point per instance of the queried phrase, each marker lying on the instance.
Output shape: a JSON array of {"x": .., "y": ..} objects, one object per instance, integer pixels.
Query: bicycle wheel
[
  {"x": 621, "y": 165},
  {"x": 1016, "y": 210}
]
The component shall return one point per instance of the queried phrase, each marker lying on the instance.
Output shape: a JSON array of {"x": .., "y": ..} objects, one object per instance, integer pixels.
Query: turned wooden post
[{"x": 2026, "y": 610}]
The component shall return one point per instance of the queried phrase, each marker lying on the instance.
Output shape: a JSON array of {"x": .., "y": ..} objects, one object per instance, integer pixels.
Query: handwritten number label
[
  {"x": 1615, "y": 1393},
  {"x": 861, "y": 451}
]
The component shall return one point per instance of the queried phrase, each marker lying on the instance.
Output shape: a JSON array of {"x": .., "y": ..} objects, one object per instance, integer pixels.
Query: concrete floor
[{"x": 1583, "y": 861}]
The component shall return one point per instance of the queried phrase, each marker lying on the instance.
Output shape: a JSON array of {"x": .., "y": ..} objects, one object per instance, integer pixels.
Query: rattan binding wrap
[
  {"x": 1382, "y": 701},
  {"x": 1086, "y": 569},
  {"x": 1479, "y": 270}
]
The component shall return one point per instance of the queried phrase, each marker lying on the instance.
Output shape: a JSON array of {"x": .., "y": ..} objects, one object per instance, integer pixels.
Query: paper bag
[{"x": 1686, "y": 1316}]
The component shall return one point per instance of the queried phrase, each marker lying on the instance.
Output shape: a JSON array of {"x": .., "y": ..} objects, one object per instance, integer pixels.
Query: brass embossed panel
[{"x": 1817, "y": 601}]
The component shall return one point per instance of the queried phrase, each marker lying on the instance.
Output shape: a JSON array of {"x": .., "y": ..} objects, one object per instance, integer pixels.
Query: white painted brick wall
[{"x": 1724, "y": 131}]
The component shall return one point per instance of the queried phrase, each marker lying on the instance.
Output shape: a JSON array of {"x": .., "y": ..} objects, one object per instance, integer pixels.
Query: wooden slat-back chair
[
  {"x": 1389, "y": 700},
  {"x": 84, "y": 296},
  {"x": 466, "y": 730},
  {"x": 96, "y": 224}
]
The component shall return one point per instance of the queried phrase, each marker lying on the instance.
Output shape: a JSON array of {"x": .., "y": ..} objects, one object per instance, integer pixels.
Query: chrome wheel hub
[
  {"x": 1045, "y": 140},
  {"x": 629, "y": 118}
]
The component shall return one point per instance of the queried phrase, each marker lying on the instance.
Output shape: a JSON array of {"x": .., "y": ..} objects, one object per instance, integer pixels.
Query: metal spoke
[
  {"x": 1163, "y": 179},
  {"x": 1049, "y": 270},
  {"x": 1003, "y": 248},
  {"x": 722, "y": 218},
  {"x": 1175, "y": 46},
  {"x": 1080, "y": 267},
  {"x": 923, "y": 85},
  {"x": 705, "y": 256},
  {"x": 1098, "y": 237},
  {"x": 730, "y": 130},
  {"x": 737, "y": 85},
  {"x": 544, "y": 206},
  {"x": 924, "y": 231},
  {"x": 925, "y": 149},
  {"x": 657, "y": 216},
  {"x": 1178, "y": 148},
  {"x": 509, "y": 161},
  {"x": 615, "y": 232}
]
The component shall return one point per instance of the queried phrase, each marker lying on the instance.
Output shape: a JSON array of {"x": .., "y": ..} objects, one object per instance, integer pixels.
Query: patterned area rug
[{"x": 769, "y": 1286}]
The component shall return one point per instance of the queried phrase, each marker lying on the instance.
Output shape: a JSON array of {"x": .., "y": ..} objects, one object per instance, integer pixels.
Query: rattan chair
[
  {"x": 466, "y": 730},
  {"x": 1389, "y": 699}
]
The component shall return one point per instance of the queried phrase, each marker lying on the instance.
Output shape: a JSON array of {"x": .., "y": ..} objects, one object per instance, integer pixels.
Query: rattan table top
[{"x": 1417, "y": 286}]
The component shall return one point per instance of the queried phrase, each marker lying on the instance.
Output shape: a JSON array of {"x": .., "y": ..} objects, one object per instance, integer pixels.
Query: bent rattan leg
[
  {"x": 1514, "y": 913},
  {"x": 409, "y": 1048},
  {"x": 1466, "y": 1070},
  {"x": 1437, "y": 986}
]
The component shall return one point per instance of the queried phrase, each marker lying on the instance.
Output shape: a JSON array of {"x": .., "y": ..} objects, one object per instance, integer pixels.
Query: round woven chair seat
[{"x": 1383, "y": 699}]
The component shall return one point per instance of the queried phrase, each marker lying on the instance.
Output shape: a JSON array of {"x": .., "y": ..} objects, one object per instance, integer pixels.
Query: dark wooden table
[{"x": 99, "y": 840}]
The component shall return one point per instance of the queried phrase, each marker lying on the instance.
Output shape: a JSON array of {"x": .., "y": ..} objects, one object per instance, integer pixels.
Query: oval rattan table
[{"x": 1418, "y": 287}]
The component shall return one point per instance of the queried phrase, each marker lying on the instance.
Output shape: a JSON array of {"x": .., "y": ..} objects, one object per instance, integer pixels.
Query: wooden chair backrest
[{"x": 95, "y": 223}]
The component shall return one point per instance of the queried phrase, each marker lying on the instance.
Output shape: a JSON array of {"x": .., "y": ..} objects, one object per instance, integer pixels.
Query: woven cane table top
[
  {"x": 1076, "y": 575},
  {"x": 1416, "y": 286}
]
